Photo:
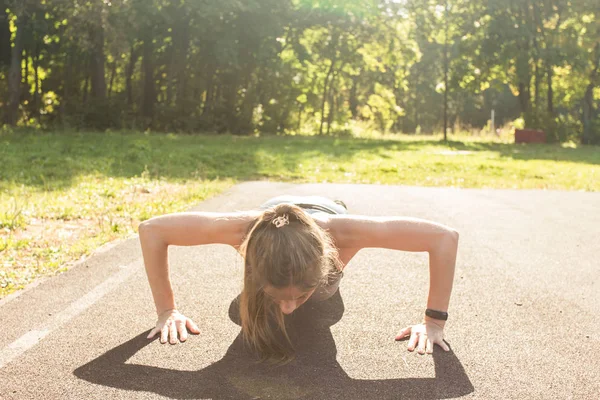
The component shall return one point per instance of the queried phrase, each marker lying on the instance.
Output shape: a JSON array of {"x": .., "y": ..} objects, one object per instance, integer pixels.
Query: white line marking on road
[{"x": 33, "y": 337}]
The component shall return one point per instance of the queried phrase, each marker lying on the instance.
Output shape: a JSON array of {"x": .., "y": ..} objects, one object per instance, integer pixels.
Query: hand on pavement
[
  {"x": 172, "y": 323},
  {"x": 427, "y": 334}
]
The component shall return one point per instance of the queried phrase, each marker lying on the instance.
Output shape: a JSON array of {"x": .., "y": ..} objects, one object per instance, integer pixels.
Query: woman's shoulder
[
  {"x": 241, "y": 221},
  {"x": 335, "y": 225}
]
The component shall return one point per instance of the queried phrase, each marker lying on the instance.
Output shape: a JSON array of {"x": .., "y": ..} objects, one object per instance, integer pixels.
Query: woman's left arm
[
  {"x": 353, "y": 233},
  {"x": 442, "y": 260}
]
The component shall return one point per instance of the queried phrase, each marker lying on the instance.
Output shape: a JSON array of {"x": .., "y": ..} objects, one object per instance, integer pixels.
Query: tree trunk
[
  {"x": 524, "y": 96},
  {"x": 353, "y": 98},
  {"x": 416, "y": 91},
  {"x": 86, "y": 86},
  {"x": 588, "y": 103},
  {"x": 113, "y": 72},
  {"x": 550, "y": 94},
  {"x": 67, "y": 84},
  {"x": 97, "y": 70},
  {"x": 228, "y": 115},
  {"x": 210, "y": 69},
  {"x": 325, "y": 91},
  {"x": 330, "y": 116},
  {"x": 300, "y": 109},
  {"x": 180, "y": 73},
  {"x": 133, "y": 56},
  {"x": 25, "y": 72},
  {"x": 216, "y": 93},
  {"x": 14, "y": 74},
  {"x": 445, "y": 70},
  {"x": 334, "y": 41},
  {"x": 149, "y": 97},
  {"x": 523, "y": 56},
  {"x": 36, "y": 92},
  {"x": 536, "y": 85},
  {"x": 170, "y": 55},
  {"x": 210, "y": 89},
  {"x": 332, "y": 96},
  {"x": 244, "y": 124},
  {"x": 5, "y": 49},
  {"x": 588, "y": 98},
  {"x": 537, "y": 24}
]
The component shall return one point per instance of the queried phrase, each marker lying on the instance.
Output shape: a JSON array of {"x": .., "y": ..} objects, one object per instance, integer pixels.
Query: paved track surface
[{"x": 524, "y": 314}]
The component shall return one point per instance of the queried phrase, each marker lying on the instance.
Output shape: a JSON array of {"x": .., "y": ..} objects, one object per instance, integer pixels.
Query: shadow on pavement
[{"x": 315, "y": 373}]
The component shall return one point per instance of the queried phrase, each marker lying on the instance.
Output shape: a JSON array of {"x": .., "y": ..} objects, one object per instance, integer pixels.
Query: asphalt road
[{"x": 524, "y": 314}]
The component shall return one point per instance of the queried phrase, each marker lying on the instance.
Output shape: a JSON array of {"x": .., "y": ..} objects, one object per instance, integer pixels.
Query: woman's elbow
[
  {"x": 450, "y": 239},
  {"x": 147, "y": 228}
]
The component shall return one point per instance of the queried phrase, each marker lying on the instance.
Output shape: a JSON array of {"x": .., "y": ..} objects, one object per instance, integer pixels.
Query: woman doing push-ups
[{"x": 295, "y": 249}]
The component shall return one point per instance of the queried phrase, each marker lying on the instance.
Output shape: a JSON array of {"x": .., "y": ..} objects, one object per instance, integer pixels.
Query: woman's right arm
[
  {"x": 184, "y": 229},
  {"x": 155, "y": 253}
]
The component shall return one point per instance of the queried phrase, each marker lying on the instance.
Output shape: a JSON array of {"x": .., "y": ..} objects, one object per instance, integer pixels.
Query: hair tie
[{"x": 281, "y": 221}]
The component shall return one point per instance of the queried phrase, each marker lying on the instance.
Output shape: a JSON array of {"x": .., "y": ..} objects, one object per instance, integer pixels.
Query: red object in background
[{"x": 529, "y": 136}]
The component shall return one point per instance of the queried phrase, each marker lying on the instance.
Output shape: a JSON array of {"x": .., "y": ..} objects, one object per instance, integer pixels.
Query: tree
[
  {"x": 318, "y": 66},
  {"x": 14, "y": 73}
]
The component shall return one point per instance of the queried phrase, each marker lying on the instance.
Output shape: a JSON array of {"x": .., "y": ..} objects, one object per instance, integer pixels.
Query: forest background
[{"x": 302, "y": 66}]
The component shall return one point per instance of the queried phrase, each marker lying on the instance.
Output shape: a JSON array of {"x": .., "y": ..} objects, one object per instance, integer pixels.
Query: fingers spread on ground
[
  {"x": 429, "y": 349},
  {"x": 422, "y": 339},
  {"x": 164, "y": 334},
  {"x": 443, "y": 345},
  {"x": 403, "y": 333},
  {"x": 412, "y": 342},
  {"x": 182, "y": 331},
  {"x": 192, "y": 326},
  {"x": 173, "y": 333},
  {"x": 152, "y": 333}
]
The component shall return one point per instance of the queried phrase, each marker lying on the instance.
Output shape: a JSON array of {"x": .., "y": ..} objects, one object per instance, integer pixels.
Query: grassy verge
[{"x": 63, "y": 195}]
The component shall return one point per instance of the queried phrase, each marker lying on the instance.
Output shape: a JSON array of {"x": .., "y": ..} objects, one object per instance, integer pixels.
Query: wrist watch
[{"x": 435, "y": 314}]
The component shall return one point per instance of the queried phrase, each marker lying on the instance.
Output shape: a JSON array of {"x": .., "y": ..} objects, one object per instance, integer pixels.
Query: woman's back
[{"x": 310, "y": 204}]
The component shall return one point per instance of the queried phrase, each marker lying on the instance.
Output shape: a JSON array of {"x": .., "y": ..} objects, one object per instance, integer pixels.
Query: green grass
[{"x": 63, "y": 195}]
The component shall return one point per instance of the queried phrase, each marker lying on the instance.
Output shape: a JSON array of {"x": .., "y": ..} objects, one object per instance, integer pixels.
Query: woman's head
[{"x": 287, "y": 255}]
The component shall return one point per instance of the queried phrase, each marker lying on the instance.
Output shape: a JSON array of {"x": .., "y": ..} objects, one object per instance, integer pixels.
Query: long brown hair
[{"x": 299, "y": 254}]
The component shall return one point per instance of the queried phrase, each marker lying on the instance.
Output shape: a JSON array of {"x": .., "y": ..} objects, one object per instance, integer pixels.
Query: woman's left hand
[{"x": 427, "y": 334}]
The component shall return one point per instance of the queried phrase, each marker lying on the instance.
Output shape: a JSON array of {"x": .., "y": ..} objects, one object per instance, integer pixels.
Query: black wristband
[{"x": 435, "y": 314}]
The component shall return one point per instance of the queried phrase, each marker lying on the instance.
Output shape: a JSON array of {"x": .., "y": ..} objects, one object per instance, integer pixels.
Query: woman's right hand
[{"x": 170, "y": 323}]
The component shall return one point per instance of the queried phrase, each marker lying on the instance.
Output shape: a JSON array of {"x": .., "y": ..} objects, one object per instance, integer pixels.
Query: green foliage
[{"x": 316, "y": 66}]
